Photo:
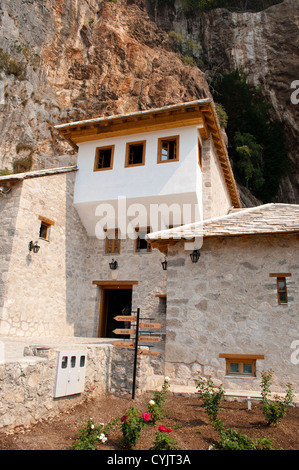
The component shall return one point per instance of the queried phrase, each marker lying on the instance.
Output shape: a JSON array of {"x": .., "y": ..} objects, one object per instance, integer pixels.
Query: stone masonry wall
[
  {"x": 51, "y": 293},
  {"x": 9, "y": 206},
  {"x": 229, "y": 305},
  {"x": 26, "y": 387}
]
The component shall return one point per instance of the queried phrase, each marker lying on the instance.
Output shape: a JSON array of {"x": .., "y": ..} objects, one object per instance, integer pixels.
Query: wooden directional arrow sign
[
  {"x": 150, "y": 339},
  {"x": 119, "y": 331},
  {"x": 124, "y": 318},
  {"x": 123, "y": 344},
  {"x": 144, "y": 352},
  {"x": 154, "y": 326}
]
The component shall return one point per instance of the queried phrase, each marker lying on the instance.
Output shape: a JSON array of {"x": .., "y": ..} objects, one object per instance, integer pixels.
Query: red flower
[
  {"x": 123, "y": 418},
  {"x": 164, "y": 429},
  {"x": 146, "y": 417}
]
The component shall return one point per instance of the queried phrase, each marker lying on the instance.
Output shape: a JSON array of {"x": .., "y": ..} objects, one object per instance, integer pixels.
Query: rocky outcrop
[
  {"x": 79, "y": 59},
  {"x": 264, "y": 44}
]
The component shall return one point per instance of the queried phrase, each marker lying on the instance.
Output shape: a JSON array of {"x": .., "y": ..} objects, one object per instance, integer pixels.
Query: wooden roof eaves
[{"x": 214, "y": 128}]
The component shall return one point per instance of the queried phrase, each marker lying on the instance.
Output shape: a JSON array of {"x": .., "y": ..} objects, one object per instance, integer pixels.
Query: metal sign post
[
  {"x": 135, "y": 354},
  {"x": 143, "y": 338}
]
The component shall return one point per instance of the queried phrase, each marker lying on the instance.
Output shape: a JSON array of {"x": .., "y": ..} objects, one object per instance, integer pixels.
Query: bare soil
[{"x": 184, "y": 415}]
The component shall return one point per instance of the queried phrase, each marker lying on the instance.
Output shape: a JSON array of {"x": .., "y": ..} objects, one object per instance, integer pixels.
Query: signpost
[{"x": 144, "y": 338}]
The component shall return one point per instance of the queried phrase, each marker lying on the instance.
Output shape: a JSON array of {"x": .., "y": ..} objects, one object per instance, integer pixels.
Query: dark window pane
[
  {"x": 281, "y": 285},
  {"x": 247, "y": 368},
  {"x": 234, "y": 368},
  {"x": 104, "y": 158},
  {"x": 136, "y": 154},
  {"x": 43, "y": 233},
  {"x": 282, "y": 297}
]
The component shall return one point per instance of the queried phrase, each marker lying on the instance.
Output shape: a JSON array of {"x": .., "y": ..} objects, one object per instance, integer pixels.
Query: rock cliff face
[
  {"x": 264, "y": 44},
  {"x": 64, "y": 60}
]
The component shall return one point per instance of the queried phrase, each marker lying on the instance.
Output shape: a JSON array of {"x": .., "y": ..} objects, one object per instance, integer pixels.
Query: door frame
[{"x": 109, "y": 285}]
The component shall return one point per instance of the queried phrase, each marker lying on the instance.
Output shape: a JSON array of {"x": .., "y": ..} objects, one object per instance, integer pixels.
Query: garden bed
[{"x": 185, "y": 416}]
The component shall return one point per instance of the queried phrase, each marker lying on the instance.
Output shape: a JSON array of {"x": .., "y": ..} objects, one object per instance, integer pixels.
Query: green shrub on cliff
[{"x": 255, "y": 139}]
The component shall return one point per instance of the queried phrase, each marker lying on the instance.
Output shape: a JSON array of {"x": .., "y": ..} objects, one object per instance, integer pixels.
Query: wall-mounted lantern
[
  {"x": 113, "y": 264},
  {"x": 195, "y": 256},
  {"x": 33, "y": 247},
  {"x": 164, "y": 264}
]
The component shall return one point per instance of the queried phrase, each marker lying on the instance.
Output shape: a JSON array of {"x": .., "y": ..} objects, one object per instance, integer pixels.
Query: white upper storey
[{"x": 144, "y": 169}]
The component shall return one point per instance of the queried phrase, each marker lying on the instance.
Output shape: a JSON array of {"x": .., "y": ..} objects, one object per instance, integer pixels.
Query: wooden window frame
[
  {"x": 282, "y": 291},
  {"x": 113, "y": 244},
  {"x": 281, "y": 277},
  {"x": 149, "y": 246},
  {"x": 45, "y": 222},
  {"x": 128, "y": 145},
  {"x": 240, "y": 359},
  {"x": 96, "y": 160},
  {"x": 175, "y": 138}
]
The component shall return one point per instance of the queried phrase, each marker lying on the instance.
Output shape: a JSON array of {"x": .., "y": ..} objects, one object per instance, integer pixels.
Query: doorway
[{"x": 113, "y": 303}]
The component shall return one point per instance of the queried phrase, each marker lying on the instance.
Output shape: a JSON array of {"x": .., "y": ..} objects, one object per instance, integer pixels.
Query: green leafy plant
[
  {"x": 131, "y": 425},
  {"x": 163, "y": 441},
  {"x": 156, "y": 406},
  {"x": 187, "y": 47},
  {"x": 10, "y": 65},
  {"x": 222, "y": 115},
  {"x": 90, "y": 435},
  {"x": 210, "y": 395},
  {"x": 274, "y": 410},
  {"x": 230, "y": 439}
]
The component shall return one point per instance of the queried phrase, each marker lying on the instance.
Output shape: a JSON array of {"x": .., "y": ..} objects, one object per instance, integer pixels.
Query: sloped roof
[
  {"x": 14, "y": 177},
  {"x": 264, "y": 219}
]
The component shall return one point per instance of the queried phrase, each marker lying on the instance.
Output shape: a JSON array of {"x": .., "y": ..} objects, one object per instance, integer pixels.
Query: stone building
[
  {"x": 75, "y": 253},
  {"x": 234, "y": 312},
  {"x": 170, "y": 161}
]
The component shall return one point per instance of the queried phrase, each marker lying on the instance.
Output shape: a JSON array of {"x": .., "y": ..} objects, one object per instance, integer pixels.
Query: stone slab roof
[
  {"x": 264, "y": 219},
  {"x": 14, "y": 177}
]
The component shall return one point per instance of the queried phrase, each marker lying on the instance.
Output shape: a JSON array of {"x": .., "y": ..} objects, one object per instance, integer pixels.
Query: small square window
[
  {"x": 44, "y": 230},
  {"x": 135, "y": 154},
  {"x": 104, "y": 158},
  {"x": 241, "y": 365},
  {"x": 112, "y": 244},
  {"x": 282, "y": 290},
  {"x": 168, "y": 149},
  {"x": 141, "y": 244},
  {"x": 281, "y": 283}
]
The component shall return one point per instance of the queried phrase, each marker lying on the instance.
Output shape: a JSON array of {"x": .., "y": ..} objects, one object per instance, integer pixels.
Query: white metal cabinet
[{"x": 71, "y": 371}]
